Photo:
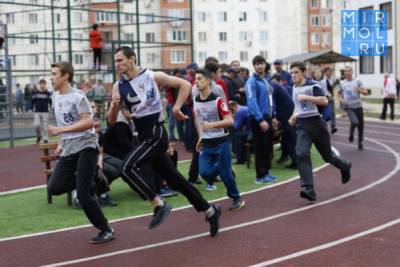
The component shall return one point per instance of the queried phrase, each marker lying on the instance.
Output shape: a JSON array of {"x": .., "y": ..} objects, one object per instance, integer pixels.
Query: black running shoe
[
  {"x": 333, "y": 130},
  {"x": 346, "y": 173},
  {"x": 38, "y": 140},
  {"x": 308, "y": 193},
  {"x": 237, "y": 204},
  {"x": 214, "y": 221},
  {"x": 351, "y": 138},
  {"x": 360, "y": 146},
  {"x": 103, "y": 236},
  {"x": 107, "y": 201},
  {"x": 160, "y": 213}
]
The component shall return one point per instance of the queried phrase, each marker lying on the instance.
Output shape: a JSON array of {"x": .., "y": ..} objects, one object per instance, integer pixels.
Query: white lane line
[
  {"x": 149, "y": 214},
  {"x": 269, "y": 218},
  {"x": 355, "y": 147},
  {"x": 24, "y": 189},
  {"x": 327, "y": 245},
  {"x": 377, "y": 139},
  {"x": 374, "y": 132},
  {"x": 346, "y": 123}
]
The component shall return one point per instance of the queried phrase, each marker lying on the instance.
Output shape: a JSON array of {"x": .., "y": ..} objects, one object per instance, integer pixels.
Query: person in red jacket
[{"x": 96, "y": 43}]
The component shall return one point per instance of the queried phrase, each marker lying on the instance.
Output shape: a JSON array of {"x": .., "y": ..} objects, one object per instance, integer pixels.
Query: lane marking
[
  {"x": 378, "y": 139},
  {"x": 327, "y": 245},
  {"x": 24, "y": 189},
  {"x": 365, "y": 147},
  {"x": 233, "y": 227}
]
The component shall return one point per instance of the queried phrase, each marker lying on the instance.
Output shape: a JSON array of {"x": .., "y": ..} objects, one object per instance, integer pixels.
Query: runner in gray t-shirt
[
  {"x": 350, "y": 90},
  {"x": 77, "y": 148}
]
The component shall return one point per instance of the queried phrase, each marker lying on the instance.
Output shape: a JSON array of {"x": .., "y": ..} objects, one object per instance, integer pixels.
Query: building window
[
  {"x": 366, "y": 64},
  {"x": 106, "y": 16},
  {"x": 222, "y": 16},
  {"x": 58, "y": 38},
  {"x": 222, "y": 36},
  {"x": 201, "y": 16},
  {"x": 315, "y": 38},
  {"x": 202, "y": 37},
  {"x": 34, "y": 60},
  {"x": 59, "y": 58},
  {"x": 387, "y": 61},
  {"x": 33, "y": 38},
  {"x": 150, "y": 37},
  {"x": 263, "y": 36},
  {"x": 264, "y": 54},
  {"x": 202, "y": 56},
  {"x": 178, "y": 15},
  {"x": 325, "y": 4},
  {"x": 326, "y": 21},
  {"x": 151, "y": 58},
  {"x": 326, "y": 39},
  {"x": 262, "y": 16},
  {"x": 314, "y": 3},
  {"x": 315, "y": 21},
  {"x": 177, "y": 56},
  {"x": 177, "y": 36},
  {"x": 243, "y": 36},
  {"x": 129, "y": 37},
  {"x": 10, "y": 19},
  {"x": 129, "y": 18},
  {"x": 33, "y": 18},
  {"x": 244, "y": 56},
  {"x": 58, "y": 18},
  {"x": 388, "y": 8},
  {"x": 13, "y": 59},
  {"x": 78, "y": 17},
  {"x": 242, "y": 16},
  {"x": 222, "y": 56},
  {"x": 148, "y": 18},
  {"x": 78, "y": 59}
]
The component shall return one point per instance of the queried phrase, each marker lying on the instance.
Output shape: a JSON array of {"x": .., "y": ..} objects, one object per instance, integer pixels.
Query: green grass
[{"x": 28, "y": 212}]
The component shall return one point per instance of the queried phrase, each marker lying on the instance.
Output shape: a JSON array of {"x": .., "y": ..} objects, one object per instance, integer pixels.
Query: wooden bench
[
  {"x": 249, "y": 145},
  {"x": 47, "y": 158}
]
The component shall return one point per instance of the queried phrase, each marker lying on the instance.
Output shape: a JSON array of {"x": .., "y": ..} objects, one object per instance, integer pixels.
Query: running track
[{"x": 357, "y": 224}]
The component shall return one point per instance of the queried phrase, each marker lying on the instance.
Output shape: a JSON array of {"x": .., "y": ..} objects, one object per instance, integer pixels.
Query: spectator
[
  {"x": 332, "y": 83},
  {"x": 190, "y": 70},
  {"x": 389, "y": 96},
  {"x": 286, "y": 78},
  {"x": 239, "y": 81},
  {"x": 241, "y": 128},
  {"x": 96, "y": 43},
  {"x": 19, "y": 99},
  {"x": 98, "y": 97},
  {"x": 171, "y": 94},
  {"x": 259, "y": 93},
  {"x": 41, "y": 101},
  {"x": 28, "y": 98},
  {"x": 3, "y": 101}
]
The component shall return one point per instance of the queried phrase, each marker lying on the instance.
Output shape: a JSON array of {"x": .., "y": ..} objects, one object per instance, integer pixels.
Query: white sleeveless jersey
[
  {"x": 305, "y": 109},
  {"x": 145, "y": 97},
  {"x": 66, "y": 111}
]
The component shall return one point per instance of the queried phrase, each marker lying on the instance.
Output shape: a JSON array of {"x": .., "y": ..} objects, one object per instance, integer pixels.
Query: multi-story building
[{"x": 370, "y": 69}]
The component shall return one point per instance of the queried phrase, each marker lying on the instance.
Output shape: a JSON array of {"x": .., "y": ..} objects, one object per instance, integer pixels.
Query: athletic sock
[{"x": 210, "y": 212}]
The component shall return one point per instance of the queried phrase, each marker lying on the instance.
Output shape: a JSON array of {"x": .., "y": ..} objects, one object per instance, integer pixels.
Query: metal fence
[{"x": 41, "y": 32}]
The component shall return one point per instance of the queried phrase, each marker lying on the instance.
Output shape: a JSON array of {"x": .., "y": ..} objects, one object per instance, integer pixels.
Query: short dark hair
[
  {"x": 65, "y": 67},
  {"x": 211, "y": 59},
  {"x": 212, "y": 67},
  {"x": 95, "y": 26},
  {"x": 204, "y": 72},
  {"x": 300, "y": 65},
  {"x": 258, "y": 59},
  {"x": 276, "y": 77},
  {"x": 126, "y": 51},
  {"x": 42, "y": 81}
]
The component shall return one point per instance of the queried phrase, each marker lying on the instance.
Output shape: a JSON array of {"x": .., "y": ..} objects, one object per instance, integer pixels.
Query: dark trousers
[
  {"x": 387, "y": 101},
  {"x": 152, "y": 151},
  {"x": 263, "y": 148},
  {"x": 77, "y": 171},
  {"x": 356, "y": 117},
  {"x": 240, "y": 139},
  {"x": 331, "y": 102},
  {"x": 97, "y": 57},
  {"x": 289, "y": 142},
  {"x": 314, "y": 131},
  {"x": 194, "y": 167}
]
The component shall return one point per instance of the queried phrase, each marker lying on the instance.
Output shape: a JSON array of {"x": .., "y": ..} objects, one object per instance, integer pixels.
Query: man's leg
[
  {"x": 208, "y": 164},
  {"x": 224, "y": 167},
  {"x": 44, "y": 125},
  {"x": 303, "y": 147},
  {"x": 260, "y": 148},
  {"x": 36, "y": 124},
  {"x": 194, "y": 169},
  {"x": 353, "y": 122},
  {"x": 240, "y": 138},
  {"x": 391, "y": 103},
  {"x": 384, "y": 109},
  {"x": 333, "y": 115},
  {"x": 86, "y": 168},
  {"x": 62, "y": 179}
]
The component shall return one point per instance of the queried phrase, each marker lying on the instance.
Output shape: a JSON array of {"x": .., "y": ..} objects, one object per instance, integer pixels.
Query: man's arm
[
  {"x": 317, "y": 100},
  {"x": 183, "y": 87},
  {"x": 112, "y": 113},
  {"x": 85, "y": 122}
]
